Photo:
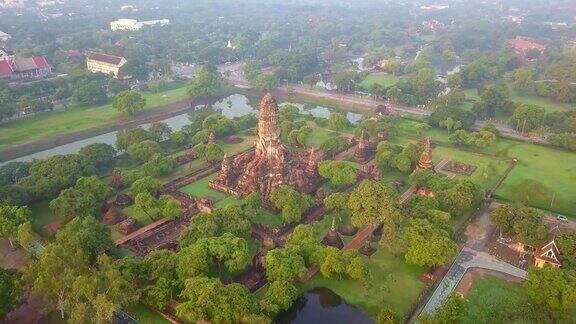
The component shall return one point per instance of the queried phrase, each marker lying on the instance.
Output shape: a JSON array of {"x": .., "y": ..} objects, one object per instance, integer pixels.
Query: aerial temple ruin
[{"x": 270, "y": 164}]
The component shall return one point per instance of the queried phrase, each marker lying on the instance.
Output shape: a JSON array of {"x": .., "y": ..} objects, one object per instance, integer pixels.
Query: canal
[{"x": 235, "y": 105}]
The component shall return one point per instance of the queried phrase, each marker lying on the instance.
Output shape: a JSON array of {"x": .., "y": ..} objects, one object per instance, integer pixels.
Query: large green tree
[
  {"x": 143, "y": 151},
  {"x": 210, "y": 300},
  {"x": 11, "y": 290},
  {"x": 292, "y": 203},
  {"x": 208, "y": 84},
  {"x": 129, "y": 102},
  {"x": 99, "y": 154},
  {"x": 146, "y": 184},
  {"x": 339, "y": 172},
  {"x": 338, "y": 121},
  {"x": 372, "y": 202},
  {"x": 49, "y": 176},
  {"x": 552, "y": 288},
  {"x": 284, "y": 264},
  {"x": 11, "y": 217},
  {"x": 280, "y": 296}
]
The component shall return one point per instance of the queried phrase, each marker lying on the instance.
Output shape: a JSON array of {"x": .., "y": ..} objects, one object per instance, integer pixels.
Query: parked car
[{"x": 562, "y": 218}]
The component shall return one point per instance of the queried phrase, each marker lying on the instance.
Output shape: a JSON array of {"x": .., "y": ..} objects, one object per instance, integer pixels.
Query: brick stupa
[
  {"x": 425, "y": 162},
  {"x": 270, "y": 164}
]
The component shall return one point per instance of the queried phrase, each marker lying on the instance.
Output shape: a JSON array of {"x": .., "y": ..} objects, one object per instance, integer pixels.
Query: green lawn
[
  {"x": 200, "y": 189},
  {"x": 488, "y": 169},
  {"x": 383, "y": 79},
  {"x": 232, "y": 149},
  {"x": 268, "y": 219},
  {"x": 491, "y": 298},
  {"x": 319, "y": 136},
  {"x": 144, "y": 315},
  {"x": 133, "y": 212},
  {"x": 393, "y": 284},
  {"x": 552, "y": 170},
  {"x": 75, "y": 119},
  {"x": 547, "y": 104}
]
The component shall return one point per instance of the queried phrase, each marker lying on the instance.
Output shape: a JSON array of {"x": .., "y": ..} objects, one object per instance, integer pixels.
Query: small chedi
[
  {"x": 270, "y": 164},
  {"x": 365, "y": 149},
  {"x": 425, "y": 162}
]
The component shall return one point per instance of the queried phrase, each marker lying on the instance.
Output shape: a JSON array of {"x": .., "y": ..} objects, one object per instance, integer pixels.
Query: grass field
[
  {"x": 393, "y": 284},
  {"x": 75, "y": 119},
  {"x": 551, "y": 171},
  {"x": 383, "y": 79},
  {"x": 488, "y": 169},
  {"x": 144, "y": 315},
  {"x": 547, "y": 104},
  {"x": 318, "y": 136},
  {"x": 491, "y": 299},
  {"x": 200, "y": 189}
]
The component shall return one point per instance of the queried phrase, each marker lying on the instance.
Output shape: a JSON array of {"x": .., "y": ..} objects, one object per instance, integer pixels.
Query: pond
[
  {"x": 235, "y": 105},
  {"x": 322, "y": 305},
  {"x": 324, "y": 112}
]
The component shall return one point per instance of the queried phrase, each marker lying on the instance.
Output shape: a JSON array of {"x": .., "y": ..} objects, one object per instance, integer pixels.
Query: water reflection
[
  {"x": 324, "y": 112},
  {"x": 175, "y": 123},
  {"x": 322, "y": 305},
  {"x": 235, "y": 105}
]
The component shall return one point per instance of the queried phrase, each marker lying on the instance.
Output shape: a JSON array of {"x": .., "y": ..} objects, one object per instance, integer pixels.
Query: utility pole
[{"x": 552, "y": 201}]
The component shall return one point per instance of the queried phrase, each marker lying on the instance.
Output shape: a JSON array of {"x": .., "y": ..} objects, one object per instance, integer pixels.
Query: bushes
[{"x": 334, "y": 145}]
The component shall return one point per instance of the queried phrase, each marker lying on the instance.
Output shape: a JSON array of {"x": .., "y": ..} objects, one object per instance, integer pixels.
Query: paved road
[
  {"x": 471, "y": 256},
  {"x": 569, "y": 225},
  {"x": 235, "y": 76}
]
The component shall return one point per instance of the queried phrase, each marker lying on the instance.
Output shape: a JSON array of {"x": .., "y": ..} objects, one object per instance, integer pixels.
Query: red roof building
[
  {"x": 528, "y": 51},
  {"x": 548, "y": 255},
  {"x": 5, "y": 69},
  {"x": 24, "y": 68}
]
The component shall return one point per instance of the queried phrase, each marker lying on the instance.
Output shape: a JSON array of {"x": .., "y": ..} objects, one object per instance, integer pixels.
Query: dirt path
[{"x": 11, "y": 258}]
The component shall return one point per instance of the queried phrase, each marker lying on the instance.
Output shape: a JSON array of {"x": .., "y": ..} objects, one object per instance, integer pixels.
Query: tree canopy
[{"x": 129, "y": 102}]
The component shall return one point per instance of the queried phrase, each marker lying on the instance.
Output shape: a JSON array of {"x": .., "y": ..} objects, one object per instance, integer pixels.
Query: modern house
[
  {"x": 22, "y": 69},
  {"x": 105, "y": 63}
]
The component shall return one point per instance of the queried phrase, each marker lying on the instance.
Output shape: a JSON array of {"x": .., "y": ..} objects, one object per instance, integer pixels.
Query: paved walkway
[
  {"x": 471, "y": 256},
  {"x": 468, "y": 258}
]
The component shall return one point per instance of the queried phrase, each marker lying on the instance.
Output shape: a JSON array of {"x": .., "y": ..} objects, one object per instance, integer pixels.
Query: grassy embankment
[{"x": 76, "y": 119}]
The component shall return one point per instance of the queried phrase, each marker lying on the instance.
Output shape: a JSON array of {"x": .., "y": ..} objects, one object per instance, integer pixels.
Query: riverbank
[{"x": 26, "y": 136}]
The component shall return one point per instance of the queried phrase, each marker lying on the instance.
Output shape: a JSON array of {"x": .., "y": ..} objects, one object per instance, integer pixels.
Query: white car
[{"x": 562, "y": 218}]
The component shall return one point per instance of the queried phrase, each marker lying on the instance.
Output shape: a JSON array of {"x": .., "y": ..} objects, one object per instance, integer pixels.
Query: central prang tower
[{"x": 270, "y": 164}]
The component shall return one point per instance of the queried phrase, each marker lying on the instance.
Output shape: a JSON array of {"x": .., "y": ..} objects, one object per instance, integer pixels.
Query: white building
[
  {"x": 4, "y": 37},
  {"x": 133, "y": 24}
]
